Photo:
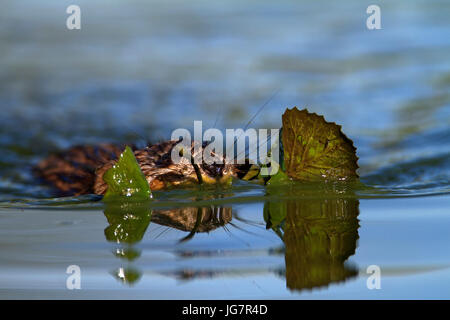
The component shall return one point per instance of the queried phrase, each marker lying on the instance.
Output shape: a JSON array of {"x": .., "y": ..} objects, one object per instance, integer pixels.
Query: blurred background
[{"x": 139, "y": 69}]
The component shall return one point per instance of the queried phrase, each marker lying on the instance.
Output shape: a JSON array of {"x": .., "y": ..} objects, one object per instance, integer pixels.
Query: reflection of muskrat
[
  {"x": 79, "y": 170},
  {"x": 193, "y": 219}
]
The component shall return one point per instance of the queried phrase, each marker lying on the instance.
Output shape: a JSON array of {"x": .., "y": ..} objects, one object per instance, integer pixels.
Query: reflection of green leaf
[
  {"x": 315, "y": 149},
  {"x": 125, "y": 178},
  {"x": 128, "y": 276},
  {"x": 128, "y": 221}
]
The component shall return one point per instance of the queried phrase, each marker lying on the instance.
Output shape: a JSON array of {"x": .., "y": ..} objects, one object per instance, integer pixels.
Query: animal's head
[{"x": 171, "y": 163}]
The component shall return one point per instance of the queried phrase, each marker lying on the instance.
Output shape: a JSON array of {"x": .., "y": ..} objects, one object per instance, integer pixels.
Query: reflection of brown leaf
[
  {"x": 319, "y": 236},
  {"x": 315, "y": 149}
]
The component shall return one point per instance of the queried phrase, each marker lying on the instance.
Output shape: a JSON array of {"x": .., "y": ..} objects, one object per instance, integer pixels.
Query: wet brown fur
[
  {"x": 80, "y": 169},
  {"x": 73, "y": 172}
]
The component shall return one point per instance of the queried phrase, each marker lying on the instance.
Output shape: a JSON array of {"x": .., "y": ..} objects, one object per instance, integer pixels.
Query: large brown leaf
[{"x": 315, "y": 149}]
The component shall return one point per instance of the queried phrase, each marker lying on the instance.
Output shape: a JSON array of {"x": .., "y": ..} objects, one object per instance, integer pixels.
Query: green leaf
[
  {"x": 125, "y": 179},
  {"x": 314, "y": 149}
]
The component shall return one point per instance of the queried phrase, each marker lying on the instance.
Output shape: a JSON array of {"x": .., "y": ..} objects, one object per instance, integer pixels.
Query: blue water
[{"x": 139, "y": 69}]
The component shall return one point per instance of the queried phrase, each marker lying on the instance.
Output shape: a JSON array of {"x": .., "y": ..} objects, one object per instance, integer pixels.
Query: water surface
[{"x": 138, "y": 70}]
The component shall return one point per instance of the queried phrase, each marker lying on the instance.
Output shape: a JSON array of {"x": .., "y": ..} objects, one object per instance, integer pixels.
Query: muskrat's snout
[{"x": 215, "y": 173}]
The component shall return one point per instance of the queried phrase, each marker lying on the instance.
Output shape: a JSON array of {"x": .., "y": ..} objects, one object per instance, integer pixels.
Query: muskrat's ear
[{"x": 100, "y": 186}]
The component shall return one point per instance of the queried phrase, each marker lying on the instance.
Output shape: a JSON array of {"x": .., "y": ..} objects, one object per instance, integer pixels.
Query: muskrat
[{"x": 80, "y": 169}]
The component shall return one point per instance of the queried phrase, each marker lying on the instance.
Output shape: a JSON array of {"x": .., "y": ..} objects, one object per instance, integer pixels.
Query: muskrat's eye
[
  {"x": 180, "y": 153},
  {"x": 218, "y": 169},
  {"x": 213, "y": 170}
]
